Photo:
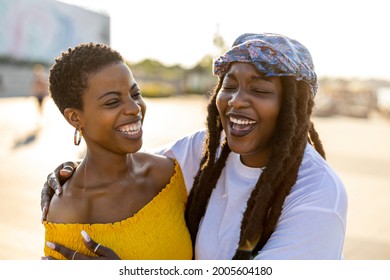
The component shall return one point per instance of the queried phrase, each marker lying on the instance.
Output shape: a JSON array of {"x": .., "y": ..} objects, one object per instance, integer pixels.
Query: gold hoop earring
[{"x": 78, "y": 134}]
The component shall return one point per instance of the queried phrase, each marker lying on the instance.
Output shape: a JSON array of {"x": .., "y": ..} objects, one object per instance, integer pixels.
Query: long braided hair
[{"x": 294, "y": 130}]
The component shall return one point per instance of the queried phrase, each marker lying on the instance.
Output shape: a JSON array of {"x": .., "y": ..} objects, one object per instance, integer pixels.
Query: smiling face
[
  {"x": 248, "y": 104},
  {"x": 113, "y": 110}
]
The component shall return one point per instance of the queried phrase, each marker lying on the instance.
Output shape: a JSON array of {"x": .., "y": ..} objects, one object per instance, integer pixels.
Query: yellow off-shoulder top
[{"x": 157, "y": 231}]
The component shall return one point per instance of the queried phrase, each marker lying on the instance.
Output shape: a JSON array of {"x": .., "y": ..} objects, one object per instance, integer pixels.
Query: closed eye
[
  {"x": 112, "y": 102},
  {"x": 228, "y": 87},
  {"x": 136, "y": 94},
  {"x": 261, "y": 91}
]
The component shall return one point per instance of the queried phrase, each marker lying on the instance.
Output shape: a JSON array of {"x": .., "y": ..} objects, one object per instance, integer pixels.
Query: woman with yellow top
[{"x": 131, "y": 202}]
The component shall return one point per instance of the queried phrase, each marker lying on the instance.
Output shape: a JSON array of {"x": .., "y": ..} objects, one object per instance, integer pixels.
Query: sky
[{"x": 346, "y": 38}]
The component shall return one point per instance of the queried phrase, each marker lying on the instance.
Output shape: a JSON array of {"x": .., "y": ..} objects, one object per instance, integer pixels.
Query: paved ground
[{"x": 31, "y": 146}]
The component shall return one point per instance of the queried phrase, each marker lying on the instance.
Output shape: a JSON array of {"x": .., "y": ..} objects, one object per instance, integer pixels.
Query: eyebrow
[{"x": 135, "y": 85}]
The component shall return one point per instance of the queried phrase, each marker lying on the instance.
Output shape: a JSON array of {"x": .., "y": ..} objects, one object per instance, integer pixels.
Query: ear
[{"x": 74, "y": 117}]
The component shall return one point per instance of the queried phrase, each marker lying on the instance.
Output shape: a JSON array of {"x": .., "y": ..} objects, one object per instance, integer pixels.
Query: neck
[
  {"x": 107, "y": 167},
  {"x": 259, "y": 160}
]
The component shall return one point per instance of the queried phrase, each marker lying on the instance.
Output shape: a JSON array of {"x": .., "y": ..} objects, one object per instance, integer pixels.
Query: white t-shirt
[{"x": 312, "y": 223}]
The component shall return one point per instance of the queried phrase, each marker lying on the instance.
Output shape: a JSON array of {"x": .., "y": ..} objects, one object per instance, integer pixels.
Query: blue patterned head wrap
[{"x": 273, "y": 55}]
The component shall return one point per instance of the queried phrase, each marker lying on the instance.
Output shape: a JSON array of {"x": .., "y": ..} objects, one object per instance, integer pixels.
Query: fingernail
[
  {"x": 67, "y": 169},
  {"x": 57, "y": 192},
  {"x": 50, "y": 245},
  {"x": 85, "y": 236}
]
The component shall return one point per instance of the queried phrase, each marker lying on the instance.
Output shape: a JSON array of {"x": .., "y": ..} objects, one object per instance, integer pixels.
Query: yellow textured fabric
[{"x": 157, "y": 231}]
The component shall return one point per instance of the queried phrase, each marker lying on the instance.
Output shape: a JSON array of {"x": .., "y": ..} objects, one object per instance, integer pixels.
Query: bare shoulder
[
  {"x": 158, "y": 162},
  {"x": 63, "y": 209},
  {"x": 159, "y": 167},
  {"x": 69, "y": 206}
]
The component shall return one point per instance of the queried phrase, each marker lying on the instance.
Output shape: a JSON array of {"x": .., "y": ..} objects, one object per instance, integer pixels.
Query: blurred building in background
[
  {"x": 36, "y": 31},
  {"x": 352, "y": 97}
]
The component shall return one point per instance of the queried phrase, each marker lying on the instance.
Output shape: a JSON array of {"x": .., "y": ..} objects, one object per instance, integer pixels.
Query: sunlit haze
[{"x": 346, "y": 38}]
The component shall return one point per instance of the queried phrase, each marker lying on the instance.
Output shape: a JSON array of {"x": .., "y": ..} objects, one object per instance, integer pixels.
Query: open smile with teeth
[
  {"x": 131, "y": 129},
  {"x": 241, "y": 121},
  {"x": 241, "y": 126}
]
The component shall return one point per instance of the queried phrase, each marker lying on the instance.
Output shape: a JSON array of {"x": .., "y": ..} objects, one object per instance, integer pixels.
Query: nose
[
  {"x": 239, "y": 99},
  {"x": 131, "y": 107}
]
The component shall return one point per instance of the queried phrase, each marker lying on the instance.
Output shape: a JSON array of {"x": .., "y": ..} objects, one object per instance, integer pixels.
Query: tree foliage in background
[{"x": 159, "y": 80}]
